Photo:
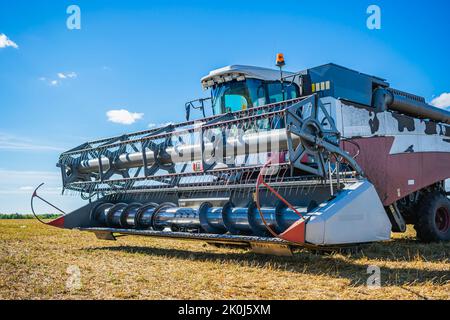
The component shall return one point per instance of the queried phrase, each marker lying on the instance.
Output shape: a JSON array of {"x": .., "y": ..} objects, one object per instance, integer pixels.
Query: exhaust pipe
[{"x": 384, "y": 99}]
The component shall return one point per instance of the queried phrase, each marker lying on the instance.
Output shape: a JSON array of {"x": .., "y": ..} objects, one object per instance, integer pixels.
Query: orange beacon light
[{"x": 280, "y": 60}]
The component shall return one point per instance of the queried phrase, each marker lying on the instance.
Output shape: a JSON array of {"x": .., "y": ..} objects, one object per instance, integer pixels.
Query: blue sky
[{"x": 147, "y": 57}]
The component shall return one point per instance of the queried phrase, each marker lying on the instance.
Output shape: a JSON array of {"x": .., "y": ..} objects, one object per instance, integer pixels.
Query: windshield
[
  {"x": 240, "y": 95},
  {"x": 237, "y": 95}
]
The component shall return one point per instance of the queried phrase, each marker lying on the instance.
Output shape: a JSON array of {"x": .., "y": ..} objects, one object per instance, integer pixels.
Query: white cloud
[
  {"x": 61, "y": 76},
  {"x": 17, "y": 185},
  {"x": 123, "y": 116},
  {"x": 443, "y": 101},
  {"x": 24, "y": 182},
  {"x": 6, "y": 42},
  {"x": 20, "y": 177},
  {"x": 26, "y": 188},
  {"x": 15, "y": 143}
]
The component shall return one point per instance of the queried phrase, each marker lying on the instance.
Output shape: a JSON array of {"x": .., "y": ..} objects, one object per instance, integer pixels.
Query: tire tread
[{"x": 424, "y": 226}]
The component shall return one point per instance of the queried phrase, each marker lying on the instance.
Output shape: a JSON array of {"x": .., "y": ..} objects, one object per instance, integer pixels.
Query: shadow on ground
[{"x": 351, "y": 265}]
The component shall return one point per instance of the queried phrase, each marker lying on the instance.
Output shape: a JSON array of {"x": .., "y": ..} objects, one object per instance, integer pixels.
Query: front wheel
[{"x": 433, "y": 223}]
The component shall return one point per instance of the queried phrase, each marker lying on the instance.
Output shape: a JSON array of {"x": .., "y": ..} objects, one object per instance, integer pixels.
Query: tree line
[{"x": 28, "y": 216}]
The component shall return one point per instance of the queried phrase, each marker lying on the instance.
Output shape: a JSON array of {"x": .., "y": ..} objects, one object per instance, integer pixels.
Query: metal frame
[{"x": 303, "y": 126}]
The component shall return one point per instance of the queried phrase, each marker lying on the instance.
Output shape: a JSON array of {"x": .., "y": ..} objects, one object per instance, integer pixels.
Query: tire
[{"x": 433, "y": 222}]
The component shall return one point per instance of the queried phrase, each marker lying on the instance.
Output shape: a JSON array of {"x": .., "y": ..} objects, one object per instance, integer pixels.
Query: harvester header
[{"x": 323, "y": 157}]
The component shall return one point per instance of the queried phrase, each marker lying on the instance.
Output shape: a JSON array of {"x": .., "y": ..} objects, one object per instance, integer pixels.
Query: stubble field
[{"x": 40, "y": 262}]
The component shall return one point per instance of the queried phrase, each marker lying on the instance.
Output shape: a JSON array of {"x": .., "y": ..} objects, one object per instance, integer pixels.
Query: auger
[{"x": 322, "y": 158}]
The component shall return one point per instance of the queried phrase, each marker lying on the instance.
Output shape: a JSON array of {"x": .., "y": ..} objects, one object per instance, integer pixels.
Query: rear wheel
[{"x": 433, "y": 223}]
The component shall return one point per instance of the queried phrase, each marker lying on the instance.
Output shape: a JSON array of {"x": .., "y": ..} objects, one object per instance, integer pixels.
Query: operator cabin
[{"x": 237, "y": 87}]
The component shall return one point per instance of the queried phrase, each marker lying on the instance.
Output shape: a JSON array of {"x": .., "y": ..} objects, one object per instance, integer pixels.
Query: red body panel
[
  {"x": 397, "y": 175},
  {"x": 59, "y": 222},
  {"x": 296, "y": 233}
]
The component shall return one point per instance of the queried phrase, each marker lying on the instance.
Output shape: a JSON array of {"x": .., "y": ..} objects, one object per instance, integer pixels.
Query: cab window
[
  {"x": 241, "y": 95},
  {"x": 231, "y": 97},
  {"x": 234, "y": 102},
  {"x": 275, "y": 92}
]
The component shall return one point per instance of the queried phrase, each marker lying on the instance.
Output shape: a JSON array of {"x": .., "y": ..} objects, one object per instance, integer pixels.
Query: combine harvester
[{"x": 322, "y": 158}]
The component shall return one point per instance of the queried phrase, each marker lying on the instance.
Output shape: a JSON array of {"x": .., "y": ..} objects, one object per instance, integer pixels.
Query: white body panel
[
  {"x": 354, "y": 122},
  {"x": 356, "y": 215}
]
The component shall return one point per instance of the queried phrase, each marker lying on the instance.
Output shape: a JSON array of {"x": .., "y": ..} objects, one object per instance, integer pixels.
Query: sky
[{"x": 133, "y": 64}]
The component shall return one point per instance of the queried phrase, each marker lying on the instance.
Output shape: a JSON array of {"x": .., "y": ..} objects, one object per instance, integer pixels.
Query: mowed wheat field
[{"x": 40, "y": 262}]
